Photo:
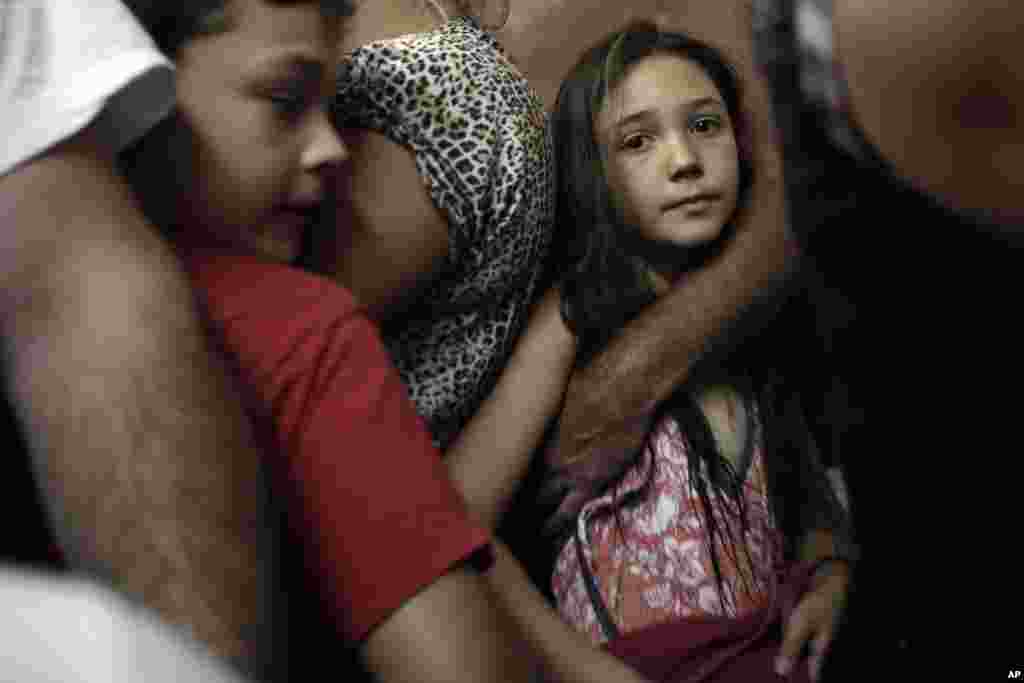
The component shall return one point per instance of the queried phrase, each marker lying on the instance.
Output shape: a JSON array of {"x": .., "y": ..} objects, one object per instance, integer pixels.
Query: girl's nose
[{"x": 684, "y": 160}]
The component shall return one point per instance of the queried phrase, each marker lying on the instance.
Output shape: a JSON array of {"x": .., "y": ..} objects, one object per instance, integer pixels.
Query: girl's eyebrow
[
  {"x": 645, "y": 114},
  {"x": 642, "y": 115}
]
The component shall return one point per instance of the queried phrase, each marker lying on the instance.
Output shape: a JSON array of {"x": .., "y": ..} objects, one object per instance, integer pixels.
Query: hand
[
  {"x": 596, "y": 460},
  {"x": 596, "y": 418},
  {"x": 814, "y": 620},
  {"x": 492, "y": 14}
]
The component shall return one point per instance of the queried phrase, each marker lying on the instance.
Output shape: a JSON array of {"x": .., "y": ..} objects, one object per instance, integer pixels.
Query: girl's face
[
  {"x": 672, "y": 160},
  {"x": 252, "y": 102}
]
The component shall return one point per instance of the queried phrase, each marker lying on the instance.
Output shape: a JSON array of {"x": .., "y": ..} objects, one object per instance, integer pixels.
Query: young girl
[{"x": 727, "y": 489}]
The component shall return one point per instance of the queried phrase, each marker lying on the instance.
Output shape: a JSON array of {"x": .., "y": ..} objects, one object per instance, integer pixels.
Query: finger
[
  {"x": 798, "y": 630},
  {"x": 819, "y": 648}
]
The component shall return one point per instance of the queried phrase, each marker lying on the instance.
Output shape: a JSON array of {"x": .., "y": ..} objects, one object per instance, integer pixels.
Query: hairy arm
[
  {"x": 607, "y": 401},
  {"x": 149, "y": 467},
  {"x": 489, "y": 459}
]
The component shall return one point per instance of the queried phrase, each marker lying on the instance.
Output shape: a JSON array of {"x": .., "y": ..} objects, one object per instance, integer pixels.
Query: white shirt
[
  {"x": 64, "y": 63},
  {"x": 59, "y": 630}
]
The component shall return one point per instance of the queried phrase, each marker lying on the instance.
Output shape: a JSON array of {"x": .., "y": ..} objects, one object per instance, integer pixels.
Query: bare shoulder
[
  {"x": 94, "y": 201},
  {"x": 374, "y": 20}
]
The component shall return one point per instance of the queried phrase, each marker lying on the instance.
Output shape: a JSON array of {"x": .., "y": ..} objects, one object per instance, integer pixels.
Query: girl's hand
[{"x": 814, "y": 620}]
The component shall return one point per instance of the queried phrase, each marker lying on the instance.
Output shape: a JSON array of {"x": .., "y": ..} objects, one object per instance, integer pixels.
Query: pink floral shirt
[{"x": 650, "y": 560}]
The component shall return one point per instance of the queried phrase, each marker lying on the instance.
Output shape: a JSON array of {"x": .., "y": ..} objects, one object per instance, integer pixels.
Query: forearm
[
  {"x": 492, "y": 454},
  {"x": 139, "y": 442},
  {"x": 655, "y": 352},
  {"x": 567, "y": 656},
  {"x": 450, "y": 631}
]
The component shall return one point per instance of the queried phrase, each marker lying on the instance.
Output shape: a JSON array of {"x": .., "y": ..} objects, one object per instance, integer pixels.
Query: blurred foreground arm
[{"x": 140, "y": 444}]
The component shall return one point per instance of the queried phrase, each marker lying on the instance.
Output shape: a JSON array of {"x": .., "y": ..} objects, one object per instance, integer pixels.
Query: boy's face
[{"x": 254, "y": 99}]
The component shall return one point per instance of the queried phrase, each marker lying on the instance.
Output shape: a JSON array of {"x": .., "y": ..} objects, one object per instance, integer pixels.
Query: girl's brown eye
[{"x": 635, "y": 142}]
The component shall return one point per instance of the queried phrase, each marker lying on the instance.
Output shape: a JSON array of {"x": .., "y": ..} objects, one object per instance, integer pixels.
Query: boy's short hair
[{"x": 173, "y": 23}]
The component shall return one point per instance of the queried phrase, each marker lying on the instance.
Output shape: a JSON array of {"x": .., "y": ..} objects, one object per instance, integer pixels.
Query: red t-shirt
[{"x": 381, "y": 514}]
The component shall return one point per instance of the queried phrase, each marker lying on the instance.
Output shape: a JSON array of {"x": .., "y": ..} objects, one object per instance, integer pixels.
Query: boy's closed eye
[
  {"x": 291, "y": 86},
  {"x": 289, "y": 100}
]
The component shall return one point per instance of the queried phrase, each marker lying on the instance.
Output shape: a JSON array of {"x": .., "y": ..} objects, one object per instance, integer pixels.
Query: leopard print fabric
[{"x": 483, "y": 148}]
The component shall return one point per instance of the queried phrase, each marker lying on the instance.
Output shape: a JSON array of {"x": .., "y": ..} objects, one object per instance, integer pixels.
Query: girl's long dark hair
[{"x": 605, "y": 285}]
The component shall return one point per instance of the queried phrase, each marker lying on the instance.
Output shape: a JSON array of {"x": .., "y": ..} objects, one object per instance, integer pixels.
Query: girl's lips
[{"x": 695, "y": 204}]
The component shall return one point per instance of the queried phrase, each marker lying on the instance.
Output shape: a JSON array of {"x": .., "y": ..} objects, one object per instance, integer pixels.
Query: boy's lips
[{"x": 300, "y": 214}]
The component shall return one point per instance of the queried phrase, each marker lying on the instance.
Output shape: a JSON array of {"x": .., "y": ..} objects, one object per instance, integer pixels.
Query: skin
[
  {"x": 935, "y": 87},
  {"x": 389, "y": 238},
  {"x": 609, "y": 402},
  {"x": 254, "y": 185},
  {"x": 532, "y": 388},
  {"x": 454, "y": 628},
  {"x": 668, "y": 139},
  {"x": 816, "y": 616},
  {"x": 374, "y": 20},
  {"x": 490, "y": 457},
  {"x": 666, "y": 134},
  {"x": 150, "y": 470},
  {"x": 173, "y": 508}
]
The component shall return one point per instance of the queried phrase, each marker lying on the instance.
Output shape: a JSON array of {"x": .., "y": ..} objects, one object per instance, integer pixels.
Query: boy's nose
[{"x": 325, "y": 150}]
